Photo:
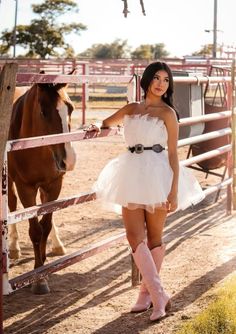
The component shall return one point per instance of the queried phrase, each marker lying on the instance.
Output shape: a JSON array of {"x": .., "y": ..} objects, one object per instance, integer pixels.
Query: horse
[{"x": 44, "y": 109}]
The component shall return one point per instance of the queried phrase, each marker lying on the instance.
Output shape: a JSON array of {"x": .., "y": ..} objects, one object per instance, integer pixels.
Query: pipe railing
[{"x": 19, "y": 144}]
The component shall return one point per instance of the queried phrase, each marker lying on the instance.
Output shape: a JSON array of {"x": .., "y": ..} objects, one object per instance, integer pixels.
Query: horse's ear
[
  {"x": 56, "y": 87},
  {"x": 59, "y": 86},
  {"x": 72, "y": 71},
  {"x": 63, "y": 85}
]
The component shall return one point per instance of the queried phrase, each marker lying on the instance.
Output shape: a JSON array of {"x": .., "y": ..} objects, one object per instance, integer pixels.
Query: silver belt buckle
[
  {"x": 157, "y": 148},
  {"x": 138, "y": 148}
]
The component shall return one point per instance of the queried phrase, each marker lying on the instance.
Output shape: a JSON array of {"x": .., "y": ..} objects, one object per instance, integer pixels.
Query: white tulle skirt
[{"x": 144, "y": 181}]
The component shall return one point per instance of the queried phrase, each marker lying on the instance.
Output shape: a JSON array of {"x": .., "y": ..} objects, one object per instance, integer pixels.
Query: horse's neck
[{"x": 28, "y": 105}]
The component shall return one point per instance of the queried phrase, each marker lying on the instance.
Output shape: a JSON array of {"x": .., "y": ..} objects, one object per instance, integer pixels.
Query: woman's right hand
[
  {"x": 93, "y": 127},
  {"x": 172, "y": 202}
]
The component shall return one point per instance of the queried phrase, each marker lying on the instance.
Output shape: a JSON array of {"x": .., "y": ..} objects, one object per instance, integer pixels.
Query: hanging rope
[
  {"x": 142, "y": 6},
  {"x": 126, "y": 10}
]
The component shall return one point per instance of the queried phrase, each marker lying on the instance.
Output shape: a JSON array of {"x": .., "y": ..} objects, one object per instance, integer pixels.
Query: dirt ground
[{"x": 95, "y": 295}]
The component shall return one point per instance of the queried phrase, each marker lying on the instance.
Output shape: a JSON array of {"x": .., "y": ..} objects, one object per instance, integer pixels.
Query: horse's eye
[{"x": 43, "y": 112}]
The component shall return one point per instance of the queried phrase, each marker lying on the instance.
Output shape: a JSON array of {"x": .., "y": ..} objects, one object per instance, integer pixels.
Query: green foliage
[
  {"x": 147, "y": 51},
  {"x": 219, "y": 317},
  {"x": 206, "y": 50},
  {"x": 5, "y": 45},
  {"x": 50, "y": 9},
  {"x": 44, "y": 37},
  {"x": 69, "y": 52},
  {"x": 115, "y": 50},
  {"x": 120, "y": 49}
]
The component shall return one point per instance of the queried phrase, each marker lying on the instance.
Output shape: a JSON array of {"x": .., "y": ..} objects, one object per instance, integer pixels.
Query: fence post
[
  {"x": 7, "y": 89},
  {"x": 233, "y": 132},
  {"x": 85, "y": 91}
]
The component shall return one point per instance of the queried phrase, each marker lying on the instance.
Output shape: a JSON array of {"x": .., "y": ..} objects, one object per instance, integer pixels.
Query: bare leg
[
  {"x": 155, "y": 224},
  {"x": 134, "y": 221}
]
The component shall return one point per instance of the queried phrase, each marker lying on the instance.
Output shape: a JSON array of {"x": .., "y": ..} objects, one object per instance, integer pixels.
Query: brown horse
[{"x": 44, "y": 109}]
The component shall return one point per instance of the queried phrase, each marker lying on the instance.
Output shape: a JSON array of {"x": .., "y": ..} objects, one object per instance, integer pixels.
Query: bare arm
[
  {"x": 117, "y": 117},
  {"x": 173, "y": 133}
]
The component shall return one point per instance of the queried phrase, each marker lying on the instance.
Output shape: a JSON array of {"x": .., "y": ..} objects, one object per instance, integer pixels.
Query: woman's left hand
[{"x": 172, "y": 202}]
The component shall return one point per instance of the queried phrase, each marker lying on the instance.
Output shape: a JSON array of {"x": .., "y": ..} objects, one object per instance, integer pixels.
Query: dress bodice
[{"x": 144, "y": 129}]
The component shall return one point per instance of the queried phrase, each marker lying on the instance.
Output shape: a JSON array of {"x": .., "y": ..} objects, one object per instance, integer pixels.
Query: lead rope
[{"x": 126, "y": 10}]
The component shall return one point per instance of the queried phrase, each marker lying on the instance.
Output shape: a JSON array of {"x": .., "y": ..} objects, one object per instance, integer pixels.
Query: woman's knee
[
  {"x": 134, "y": 239},
  {"x": 154, "y": 238},
  {"x": 154, "y": 241}
]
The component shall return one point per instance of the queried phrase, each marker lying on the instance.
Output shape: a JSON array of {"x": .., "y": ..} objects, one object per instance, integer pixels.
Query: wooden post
[
  {"x": 233, "y": 132},
  {"x": 7, "y": 89}
]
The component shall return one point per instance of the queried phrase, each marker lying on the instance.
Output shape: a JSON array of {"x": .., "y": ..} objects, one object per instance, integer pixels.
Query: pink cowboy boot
[
  {"x": 144, "y": 302},
  {"x": 146, "y": 265}
]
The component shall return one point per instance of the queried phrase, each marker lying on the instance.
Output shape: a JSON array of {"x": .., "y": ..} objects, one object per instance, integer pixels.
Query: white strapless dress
[{"x": 144, "y": 180}]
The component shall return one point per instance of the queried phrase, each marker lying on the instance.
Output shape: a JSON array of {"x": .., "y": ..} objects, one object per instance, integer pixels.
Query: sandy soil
[{"x": 95, "y": 295}]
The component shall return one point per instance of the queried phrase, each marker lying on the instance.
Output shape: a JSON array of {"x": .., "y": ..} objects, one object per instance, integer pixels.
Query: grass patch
[{"x": 219, "y": 317}]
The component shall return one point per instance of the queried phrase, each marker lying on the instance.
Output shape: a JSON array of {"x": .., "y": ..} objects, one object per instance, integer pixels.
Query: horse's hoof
[
  {"x": 14, "y": 254},
  {"x": 40, "y": 288},
  {"x": 59, "y": 250}
]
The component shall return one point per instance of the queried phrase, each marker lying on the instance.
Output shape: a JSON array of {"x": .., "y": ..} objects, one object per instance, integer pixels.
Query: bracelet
[{"x": 104, "y": 127}]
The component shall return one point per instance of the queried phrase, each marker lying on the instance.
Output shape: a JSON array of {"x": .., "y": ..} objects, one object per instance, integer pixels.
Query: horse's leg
[
  {"x": 49, "y": 192},
  {"x": 14, "y": 247},
  {"x": 57, "y": 245},
  {"x": 27, "y": 195}
]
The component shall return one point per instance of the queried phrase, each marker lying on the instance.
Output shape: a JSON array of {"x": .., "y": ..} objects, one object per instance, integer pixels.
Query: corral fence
[
  {"x": 109, "y": 66},
  {"x": 89, "y": 95},
  {"x": 17, "y": 216}
]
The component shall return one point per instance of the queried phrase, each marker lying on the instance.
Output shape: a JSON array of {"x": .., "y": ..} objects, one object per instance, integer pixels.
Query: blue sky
[{"x": 179, "y": 24}]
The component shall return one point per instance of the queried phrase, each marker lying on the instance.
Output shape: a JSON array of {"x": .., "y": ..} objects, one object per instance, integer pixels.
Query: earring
[{"x": 165, "y": 95}]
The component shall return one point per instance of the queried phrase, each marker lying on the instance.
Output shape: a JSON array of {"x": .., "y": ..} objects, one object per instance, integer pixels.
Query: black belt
[{"x": 139, "y": 148}]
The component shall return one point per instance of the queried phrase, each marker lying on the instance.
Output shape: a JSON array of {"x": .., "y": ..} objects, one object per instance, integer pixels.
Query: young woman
[{"x": 147, "y": 182}]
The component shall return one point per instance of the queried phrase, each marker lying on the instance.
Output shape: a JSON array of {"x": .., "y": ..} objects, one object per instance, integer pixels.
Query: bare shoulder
[
  {"x": 131, "y": 108},
  {"x": 169, "y": 114}
]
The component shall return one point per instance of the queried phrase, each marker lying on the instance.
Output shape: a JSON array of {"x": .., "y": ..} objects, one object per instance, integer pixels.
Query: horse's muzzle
[
  {"x": 65, "y": 157},
  {"x": 70, "y": 159},
  {"x": 61, "y": 166}
]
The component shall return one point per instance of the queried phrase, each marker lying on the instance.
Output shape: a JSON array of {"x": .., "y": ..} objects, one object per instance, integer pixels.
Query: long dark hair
[{"x": 148, "y": 76}]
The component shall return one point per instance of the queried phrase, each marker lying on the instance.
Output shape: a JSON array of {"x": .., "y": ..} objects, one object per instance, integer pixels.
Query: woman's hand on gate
[{"x": 93, "y": 127}]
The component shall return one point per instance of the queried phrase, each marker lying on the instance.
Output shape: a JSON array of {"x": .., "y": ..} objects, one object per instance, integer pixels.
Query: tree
[
  {"x": 206, "y": 50},
  {"x": 115, "y": 50},
  {"x": 148, "y": 51},
  {"x": 44, "y": 37}
]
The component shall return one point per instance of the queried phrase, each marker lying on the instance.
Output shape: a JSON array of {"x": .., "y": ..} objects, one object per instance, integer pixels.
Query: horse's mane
[{"x": 16, "y": 118}]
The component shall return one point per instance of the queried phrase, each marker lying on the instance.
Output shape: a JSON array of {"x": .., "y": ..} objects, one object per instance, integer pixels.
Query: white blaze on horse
[{"x": 44, "y": 109}]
